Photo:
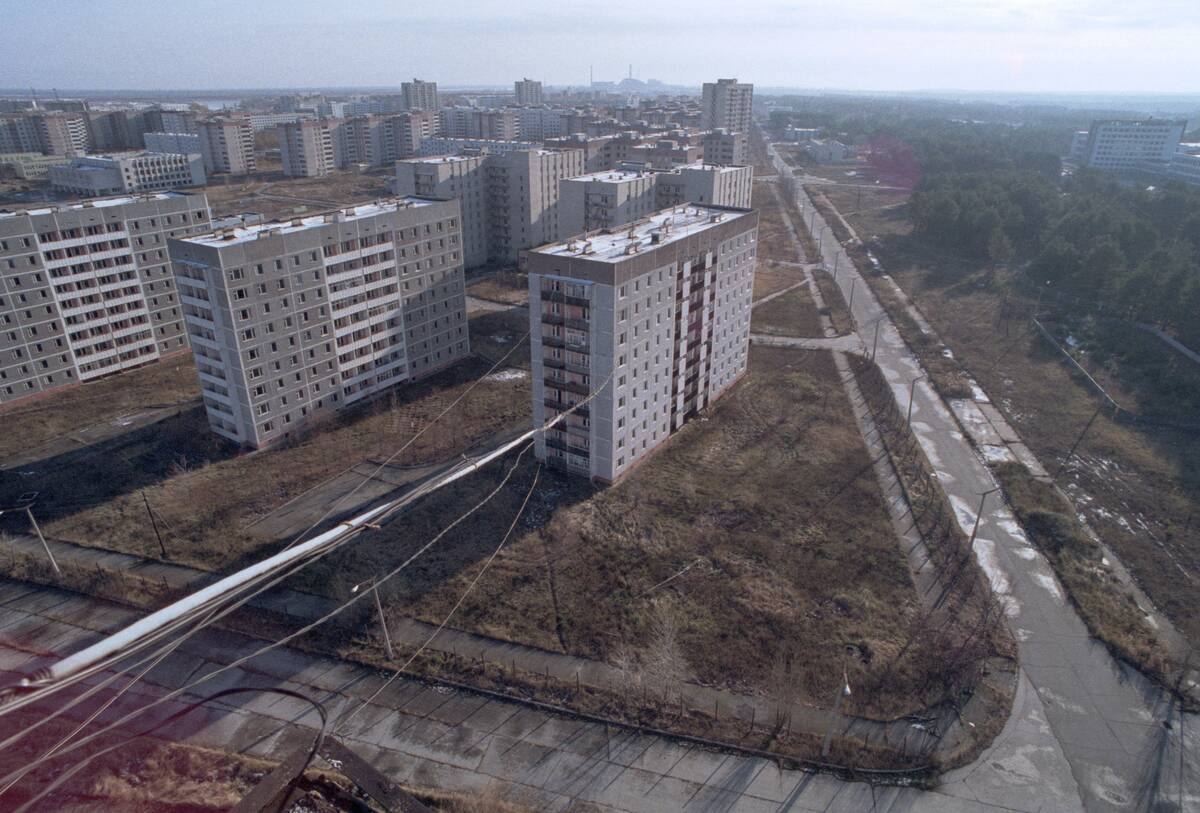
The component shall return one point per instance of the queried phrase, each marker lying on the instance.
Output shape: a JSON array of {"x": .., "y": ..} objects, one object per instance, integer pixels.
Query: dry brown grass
[
  {"x": 204, "y": 495},
  {"x": 792, "y": 314},
  {"x": 768, "y": 510},
  {"x": 29, "y": 424},
  {"x": 770, "y": 276},
  {"x": 508, "y": 287},
  {"x": 835, "y": 304},
  {"x": 285, "y": 197}
]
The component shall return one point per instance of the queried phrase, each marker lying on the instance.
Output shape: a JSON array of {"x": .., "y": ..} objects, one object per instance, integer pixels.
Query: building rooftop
[
  {"x": 659, "y": 229},
  {"x": 613, "y": 175},
  {"x": 439, "y": 159},
  {"x": 98, "y": 203},
  {"x": 243, "y": 234}
]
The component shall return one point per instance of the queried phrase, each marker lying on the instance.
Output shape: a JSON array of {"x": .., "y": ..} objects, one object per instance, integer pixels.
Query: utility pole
[
  {"x": 1078, "y": 440},
  {"x": 911, "y": 389},
  {"x": 875, "y": 342},
  {"x": 975, "y": 528},
  {"x": 25, "y": 504},
  {"x": 842, "y": 694},
  {"x": 154, "y": 525},
  {"x": 850, "y": 306}
]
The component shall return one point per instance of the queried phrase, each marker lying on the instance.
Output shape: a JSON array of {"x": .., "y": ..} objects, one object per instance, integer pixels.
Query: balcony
[
  {"x": 564, "y": 299},
  {"x": 557, "y": 443},
  {"x": 569, "y": 386},
  {"x": 566, "y": 321},
  {"x": 563, "y": 407},
  {"x": 577, "y": 345},
  {"x": 559, "y": 364}
]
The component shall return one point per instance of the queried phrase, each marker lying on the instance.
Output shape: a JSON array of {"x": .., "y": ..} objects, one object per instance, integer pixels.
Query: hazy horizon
[{"x": 1009, "y": 46}]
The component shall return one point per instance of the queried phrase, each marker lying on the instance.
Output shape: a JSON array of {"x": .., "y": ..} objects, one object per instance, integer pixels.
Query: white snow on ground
[
  {"x": 1026, "y": 553},
  {"x": 997, "y": 454},
  {"x": 978, "y": 394},
  {"x": 985, "y": 553},
  {"x": 511, "y": 374},
  {"x": 1010, "y": 525},
  {"x": 964, "y": 512},
  {"x": 1047, "y": 582}
]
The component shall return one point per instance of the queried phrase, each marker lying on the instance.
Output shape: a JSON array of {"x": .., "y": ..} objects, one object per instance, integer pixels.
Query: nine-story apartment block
[
  {"x": 87, "y": 290},
  {"x": 293, "y": 319},
  {"x": 654, "y": 319}
]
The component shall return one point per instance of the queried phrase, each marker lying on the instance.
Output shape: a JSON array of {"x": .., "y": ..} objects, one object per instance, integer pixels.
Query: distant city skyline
[{"x": 1003, "y": 46}]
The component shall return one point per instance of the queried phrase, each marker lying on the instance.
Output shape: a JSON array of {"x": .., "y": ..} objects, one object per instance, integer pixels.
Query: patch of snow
[
  {"x": 964, "y": 512},
  {"x": 1026, "y": 553},
  {"x": 510, "y": 374},
  {"x": 985, "y": 554},
  {"x": 1051, "y": 696},
  {"x": 1010, "y": 526},
  {"x": 1072, "y": 341},
  {"x": 947, "y": 353},
  {"x": 1049, "y": 585},
  {"x": 997, "y": 454},
  {"x": 977, "y": 392}
]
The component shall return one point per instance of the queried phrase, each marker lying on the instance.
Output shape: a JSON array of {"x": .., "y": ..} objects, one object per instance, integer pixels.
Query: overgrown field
[
  {"x": 755, "y": 538},
  {"x": 1138, "y": 487},
  {"x": 204, "y": 493}
]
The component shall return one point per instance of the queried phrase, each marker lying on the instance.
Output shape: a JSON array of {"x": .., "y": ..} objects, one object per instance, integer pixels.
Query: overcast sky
[{"x": 1007, "y": 45}]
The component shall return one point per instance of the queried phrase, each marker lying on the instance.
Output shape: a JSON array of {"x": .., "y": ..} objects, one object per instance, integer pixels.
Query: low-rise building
[
  {"x": 705, "y": 183},
  {"x": 98, "y": 175},
  {"x": 30, "y": 166},
  {"x": 295, "y": 319},
  {"x": 1123, "y": 145},
  {"x": 653, "y": 320},
  {"x": 86, "y": 289}
]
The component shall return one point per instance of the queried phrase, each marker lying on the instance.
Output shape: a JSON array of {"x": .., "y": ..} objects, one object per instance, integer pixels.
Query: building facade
[
  {"x": 727, "y": 104},
  {"x": 469, "y": 122},
  {"x": 306, "y": 148},
  {"x": 523, "y": 197},
  {"x": 98, "y": 175},
  {"x": 182, "y": 143},
  {"x": 419, "y": 95},
  {"x": 227, "y": 145},
  {"x": 53, "y": 133},
  {"x": 87, "y": 289},
  {"x": 654, "y": 320},
  {"x": 462, "y": 177},
  {"x": 294, "y": 319},
  {"x": 527, "y": 92},
  {"x": 1122, "y": 145},
  {"x": 725, "y": 147}
]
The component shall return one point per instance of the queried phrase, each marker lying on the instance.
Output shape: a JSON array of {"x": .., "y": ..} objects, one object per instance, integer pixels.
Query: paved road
[
  {"x": 1127, "y": 745},
  {"x": 435, "y": 736}
]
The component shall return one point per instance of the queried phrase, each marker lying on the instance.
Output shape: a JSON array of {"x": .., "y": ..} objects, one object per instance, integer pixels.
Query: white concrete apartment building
[
  {"x": 724, "y": 147},
  {"x": 51, "y": 133},
  {"x": 1121, "y": 145},
  {"x": 179, "y": 143},
  {"x": 602, "y": 200},
  {"x": 462, "y": 177},
  {"x": 539, "y": 123},
  {"x": 419, "y": 95},
  {"x": 306, "y": 148},
  {"x": 653, "y": 318},
  {"x": 615, "y": 197},
  {"x": 527, "y": 92},
  {"x": 447, "y": 146},
  {"x": 523, "y": 198},
  {"x": 227, "y": 145},
  {"x": 97, "y": 175},
  {"x": 470, "y": 122},
  {"x": 727, "y": 104},
  {"x": 86, "y": 289},
  {"x": 517, "y": 204},
  {"x": 703, "y": 183},
  {"x": 293, "y": 319}
]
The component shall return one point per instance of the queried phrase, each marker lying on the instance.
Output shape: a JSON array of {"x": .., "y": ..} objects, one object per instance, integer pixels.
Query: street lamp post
[
  {"x": 911, "y": 390},
  {"x": 975, "y": 528},
  {"x": 850, "y": 307},
  {"x": 875, "y": 343},
  {"x": 387, "y": 638}
]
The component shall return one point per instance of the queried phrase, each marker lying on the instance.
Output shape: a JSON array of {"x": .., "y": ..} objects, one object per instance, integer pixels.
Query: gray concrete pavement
[
  {"x": 435, "y": 736},
  {"x": 1127, "y": 745}
]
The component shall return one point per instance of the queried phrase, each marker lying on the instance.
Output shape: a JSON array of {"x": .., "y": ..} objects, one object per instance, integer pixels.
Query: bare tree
[{"x": 666, "y": 664}]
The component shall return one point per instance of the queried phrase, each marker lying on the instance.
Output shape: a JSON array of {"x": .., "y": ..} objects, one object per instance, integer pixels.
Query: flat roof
[
  {"x": 243, "y": 234},
  {"x": 98, "y": 203},
  {"x": 613, "y": 175},
  {"x": 439, "y": 159},
  {"x": 613, "y": 245}
]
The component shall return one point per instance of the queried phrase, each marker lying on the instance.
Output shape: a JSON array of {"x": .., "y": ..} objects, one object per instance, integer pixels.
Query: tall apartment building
[
  {"x": 409, "y": 130},
  {"x": 655, "y": 319},
  {"x": 606, "y": 200},
  {"x": 1121, "y": 145},
  {"x": 182, "y": 143},
  {"x": 159, "y": 120},
  {"x": 87, "y": 290},
  {"x": 462, "y": 177},
  {"x": 602, "y": 200},
  {"x": 446, "y": 146},
  {"x": 527, "y": 92},
  {"x": 523, "y": 198},
  {"x": 293, "y": 319},
  {"x": 118, "y": 130},
  {"x": 539, "y": 123},
  {"x": 419, "y": 95},
  {"x": 724, "y": 147},
  {"x": 48, "y": 133},
  {"x": 306, "y": 148},
  {"x": 95, "y": 175},
  {"x": 511, "y": 198},
  {"x": 727, "y": 104},
  {"x": 227, "y": 145},
  {"x": 470, "y": 122}
]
